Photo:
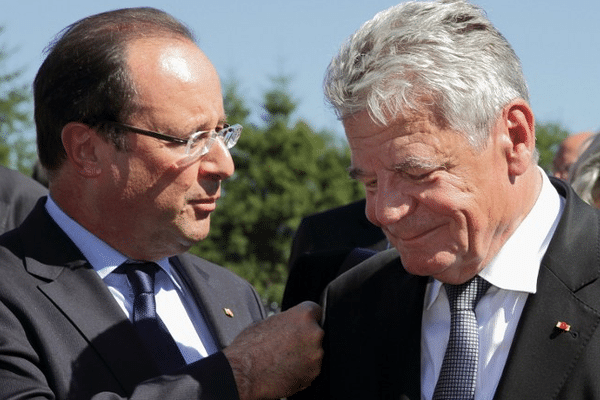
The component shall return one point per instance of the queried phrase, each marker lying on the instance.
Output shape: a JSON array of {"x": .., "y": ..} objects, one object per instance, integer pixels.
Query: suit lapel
[
  {"x": 375, "y": 321},
  {"x": 411, "y": 299},
  {"x": 224, "y": 311},
  {"x": 70, "y": 283},
  {"x": 542, "y": 355},
  {"x": 85, "y": 300}
]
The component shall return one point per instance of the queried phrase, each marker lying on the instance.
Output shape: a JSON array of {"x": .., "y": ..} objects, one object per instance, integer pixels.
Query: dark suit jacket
[
  {"x": 373, "y": 324},
  {"x": 322, "y": 249},
  {"x": 312, "y": 272},
  {"x": 339, "y": 229},
  {"x": 18, "y": 195},
  {"x": 62, "y": 334}
]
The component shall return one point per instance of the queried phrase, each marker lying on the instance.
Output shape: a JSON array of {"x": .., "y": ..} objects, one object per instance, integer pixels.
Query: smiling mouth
[{"x": 420, "y": 235}]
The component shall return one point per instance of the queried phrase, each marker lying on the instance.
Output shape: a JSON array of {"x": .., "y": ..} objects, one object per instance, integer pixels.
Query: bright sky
[{"x": 558, "y": 43}]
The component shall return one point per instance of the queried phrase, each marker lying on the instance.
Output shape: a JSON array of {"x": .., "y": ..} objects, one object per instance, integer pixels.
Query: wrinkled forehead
[
  {"x": 410, "y": 140},
  {"x": 363, "y": 125}
]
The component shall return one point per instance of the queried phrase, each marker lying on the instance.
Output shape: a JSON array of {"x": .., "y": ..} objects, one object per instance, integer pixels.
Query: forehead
[
  {"x": 173, "y": 76},
  {"x": 412, "y": 136}
]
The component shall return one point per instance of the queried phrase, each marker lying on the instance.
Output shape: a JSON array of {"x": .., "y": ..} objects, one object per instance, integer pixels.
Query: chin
[
  {"x": 186, "y": 241},
  {"x": 193, "y": 230},
  {"x": 199, "y": 235},
  {"x": 424, "y": 264},
  {"x": 190, "y": 238}
]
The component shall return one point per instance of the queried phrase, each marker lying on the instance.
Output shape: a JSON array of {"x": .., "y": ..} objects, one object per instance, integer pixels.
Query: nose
[
  {"x": 217, "y": 164},
  {"x": 388, "y": 205}
]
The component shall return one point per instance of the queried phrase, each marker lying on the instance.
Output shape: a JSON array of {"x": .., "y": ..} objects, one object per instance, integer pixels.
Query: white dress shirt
[
  {"x": 513, "y": 274},
  {"x": 174, "y": 305}
]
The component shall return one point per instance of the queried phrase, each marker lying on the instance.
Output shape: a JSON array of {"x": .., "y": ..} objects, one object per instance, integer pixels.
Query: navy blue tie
[{"x": 146, "y": 321}]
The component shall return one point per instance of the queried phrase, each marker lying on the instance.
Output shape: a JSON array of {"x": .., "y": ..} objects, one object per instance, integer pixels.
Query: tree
[
  {"x": 284, "y": 171},
  {"x": 16, "y": 150},
  {"x": 548, "y": 137}
]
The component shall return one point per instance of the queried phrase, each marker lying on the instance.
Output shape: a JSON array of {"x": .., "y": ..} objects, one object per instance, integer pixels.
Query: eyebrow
[
  {"x": 203, "y": 127},
  {"x": 355, "y": 173},
  {"x": 418, "y": 163},
  {"x": 407, "y": 164}
]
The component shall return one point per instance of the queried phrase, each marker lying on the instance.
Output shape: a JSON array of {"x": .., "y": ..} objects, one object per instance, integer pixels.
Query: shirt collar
[
  {"x": 103, "y": 258},
  {"x": 517, "y": 264}
]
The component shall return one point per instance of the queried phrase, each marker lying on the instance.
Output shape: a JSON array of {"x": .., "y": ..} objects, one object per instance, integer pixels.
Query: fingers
[
  {"x": 312, "y": 308},
  {"x": 280, "y": 355}
]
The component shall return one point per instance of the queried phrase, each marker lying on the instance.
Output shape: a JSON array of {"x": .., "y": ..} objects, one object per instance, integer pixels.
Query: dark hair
[{"x": 85, "y": 79}]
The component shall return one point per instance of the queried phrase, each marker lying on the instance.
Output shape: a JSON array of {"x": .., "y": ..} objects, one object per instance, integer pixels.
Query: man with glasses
[{"x": 98, "y": 298}]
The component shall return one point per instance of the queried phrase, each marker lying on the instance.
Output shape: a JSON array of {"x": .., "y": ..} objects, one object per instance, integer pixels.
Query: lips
[
  {"x": 411, "y": 236},
  {"x": 204, "y": 205}
]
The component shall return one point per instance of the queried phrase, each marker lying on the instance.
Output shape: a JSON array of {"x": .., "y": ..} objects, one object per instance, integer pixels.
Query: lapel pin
[
  {"x": 563, "y": 326},
  {"x": 228, "y": 312}
]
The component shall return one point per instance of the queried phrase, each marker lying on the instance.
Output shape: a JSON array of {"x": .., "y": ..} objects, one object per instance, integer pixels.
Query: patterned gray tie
[{"x": 459, "y": 368}]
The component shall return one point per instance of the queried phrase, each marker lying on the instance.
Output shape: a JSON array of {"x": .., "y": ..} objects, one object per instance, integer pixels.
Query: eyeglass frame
[{"x": 234, "y": 136}]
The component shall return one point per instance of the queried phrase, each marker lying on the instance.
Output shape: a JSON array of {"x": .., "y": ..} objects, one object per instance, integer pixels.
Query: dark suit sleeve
[
  {"x": 24, "y": 371},
  {"x": 207, "y": 379}
]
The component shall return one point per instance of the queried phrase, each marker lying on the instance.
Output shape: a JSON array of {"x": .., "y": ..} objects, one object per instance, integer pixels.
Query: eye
[
  {"x": 418, "y": 173},
  {"x": 370, "y": 184},
  {"x": 418, "y": 176},
  {"x": 200, "y": 137}
]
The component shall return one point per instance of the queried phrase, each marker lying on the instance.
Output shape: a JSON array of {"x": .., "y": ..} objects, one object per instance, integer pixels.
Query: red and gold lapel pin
[
  {"x": 228, "y": 312},
  {"x": 563, "y": 326}
]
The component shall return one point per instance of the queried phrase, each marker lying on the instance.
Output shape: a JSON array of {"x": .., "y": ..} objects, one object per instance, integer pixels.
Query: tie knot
[
  {"x": 140, "y": 275},
  {"x": 466, "y": 296}
]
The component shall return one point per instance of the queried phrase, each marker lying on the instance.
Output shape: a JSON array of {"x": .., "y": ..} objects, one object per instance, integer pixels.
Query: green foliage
[
  {"x": 284, "y": 171},
  {"x": 278, "y": 102},
  {"x": 547, "y": 139},
  {"x": 16, "y": 151}
]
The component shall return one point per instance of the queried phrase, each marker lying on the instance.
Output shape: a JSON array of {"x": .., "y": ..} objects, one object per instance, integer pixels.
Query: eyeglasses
[{"x": 198, "y": 144}]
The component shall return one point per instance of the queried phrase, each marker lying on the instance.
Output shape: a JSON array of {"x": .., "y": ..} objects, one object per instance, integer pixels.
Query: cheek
[
  {"x": 171, "y": 196},
  {"x": 445, "y": 200},
  {"x": 168, "y": 181},
  {"x": 457, "y": 207},
  {"x": 470, "y": 226}
]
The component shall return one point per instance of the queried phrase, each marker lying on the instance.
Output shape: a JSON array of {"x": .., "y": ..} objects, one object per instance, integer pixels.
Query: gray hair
[{"x": 442, "y": 57}]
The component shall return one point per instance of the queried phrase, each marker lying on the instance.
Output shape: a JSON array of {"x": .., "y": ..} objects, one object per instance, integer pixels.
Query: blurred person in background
[
  {"x": 18, "y": 195},
  {"x": 568, "y": 152},
  {"x": 585, "y": 173}
]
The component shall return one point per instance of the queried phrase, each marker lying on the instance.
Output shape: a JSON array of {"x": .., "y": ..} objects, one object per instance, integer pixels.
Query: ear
[
  {"x": 519, "y": 124},
  {"x": 81, "y": 144}
]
